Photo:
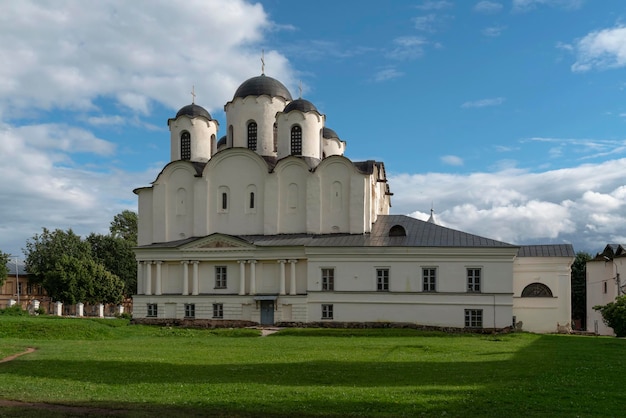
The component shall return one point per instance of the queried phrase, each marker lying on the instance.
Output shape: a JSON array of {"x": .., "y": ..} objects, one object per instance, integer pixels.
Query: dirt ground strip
[{"x": 14, "y": 356}]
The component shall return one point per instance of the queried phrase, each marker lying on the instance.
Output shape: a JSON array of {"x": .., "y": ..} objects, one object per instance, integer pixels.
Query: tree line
[{"x": 97, "y": 269}]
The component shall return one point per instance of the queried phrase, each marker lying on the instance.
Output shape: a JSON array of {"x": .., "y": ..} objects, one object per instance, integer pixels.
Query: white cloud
[
  {"x": 488, "y": 7},
  {"x": 583, "y": 205},
  {"x": 496, "y": 101},
  {"x": 68, "y": 55},
  {"x": 526, "y": 5},
  {"x": 426, "y": 23},
  {"x": 387, "y": 74},
  {"x": 434, "y": 5},
  {"x": 408, "y": 47},
  {"x": 600, "y": 50},
  {"x": 493, "y": 31},
  {"x": 452, "y": 160}
]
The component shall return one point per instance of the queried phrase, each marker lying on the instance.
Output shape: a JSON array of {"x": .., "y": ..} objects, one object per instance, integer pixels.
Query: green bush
[
  {"x": 14, "y": 310},
  {"x": 614, "y": 315}
]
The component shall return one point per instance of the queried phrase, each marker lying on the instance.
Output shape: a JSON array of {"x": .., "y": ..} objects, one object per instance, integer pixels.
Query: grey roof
[
  {"x": 301, "y": 105},
  {"x": 329, "y": 133},
  {"x": 556, "y": 250},
  {"x": 193, "y": 110},
  {"x": 21, "y": 269},
  {"x": 262, "y": 85},
  {"x": 418, "y": 234}
]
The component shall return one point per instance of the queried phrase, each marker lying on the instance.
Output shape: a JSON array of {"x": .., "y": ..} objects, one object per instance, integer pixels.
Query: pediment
[{"x": 218, "y": 242}]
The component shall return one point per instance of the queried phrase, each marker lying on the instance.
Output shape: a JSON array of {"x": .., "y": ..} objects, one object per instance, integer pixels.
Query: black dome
[
  {"x": 301, "y": 105},
  {"x": 329, "y": 133},
  {"x": 262, "y": 85},
  {"x": 222, "y": 141},
  {"x": 194, "y": 110}
]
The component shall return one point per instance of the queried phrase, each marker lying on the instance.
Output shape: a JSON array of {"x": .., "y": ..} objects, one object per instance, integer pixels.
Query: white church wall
[
  {"x": 542, "y": 314},
  {"x": 202, "y": 133},
  {"x": 262, "y": 110},
  {"x": 335, "y": 180},
  {"x": 179, "y": 179},
  {"x": 145, "y": 221},
  {"x": 292, "y": 175},
  {"x": 601, "y": 289},
  {"x": 233, "y": 176},
  {"x": 311, "y": 124}
]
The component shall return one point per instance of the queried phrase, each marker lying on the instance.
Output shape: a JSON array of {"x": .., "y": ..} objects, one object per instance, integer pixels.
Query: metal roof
[
  {"x": 556, "y": 250},
  {"x": 21, "y": 269},
  {"x": 418, "y": 234}
]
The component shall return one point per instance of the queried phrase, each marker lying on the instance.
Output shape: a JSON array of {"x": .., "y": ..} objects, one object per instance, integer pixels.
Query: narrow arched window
[
  {"x": 252, "y": 136},
  {"x": 275, "y": 137},
  {"x": 185, "y": 146},
  {"x": 296, "y": 140},
  {"x": 224, "y": 201},
  {"x": 536, "y": 290},
  {"x": 251, "y": 200}
]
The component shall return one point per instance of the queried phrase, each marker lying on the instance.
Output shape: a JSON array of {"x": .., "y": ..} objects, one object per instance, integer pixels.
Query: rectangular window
[
  {"x": 473, "y": 280},
  {"x": 20, "y": 288},
  {"x": 218, "y": 310},
  {"x": 474, "y": 318},
  {"x": 152, "y": 310},
  {"x": 429, "y": 276},
  {"x": 328, "y": 279},
  {"x": 220, "y": 277},
  {"x": 190, "y": 310},
  {"x": 382, "y": 280},
  {"x": 605, "y": 288},
  {"x": 327, "y": 311}
]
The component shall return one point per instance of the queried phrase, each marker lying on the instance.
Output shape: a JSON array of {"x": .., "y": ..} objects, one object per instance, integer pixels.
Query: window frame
[
  {"x": 221, "y": 277},
  {"x": 152, "y": 310},
  {"x": 253, "y": 130},
  {"x": 296, "y": 140},
  {"x": 185, "y": 146},
  {"x": 382, "y": 279},
  {"x": 328, "y": 279},
  {"x": 190, "y": 310},
  {"x": 429, "y": 279},
  {"x": 218, "y": 311},
  {"x": 474, "y": 280},
  {"x": 474, "y": 318},
  {"x": 327, "y": 311}
]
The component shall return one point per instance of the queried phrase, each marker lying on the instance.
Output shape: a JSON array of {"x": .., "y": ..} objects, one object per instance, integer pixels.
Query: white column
[
  {"x": 58, "y": 308},
  {"x": 252, "y": 277},
  {"x": 148, "y": 277},
  {"x": 100, "y": 310},
  {"x": 282, "y": 276},
  {"x": 80, "y": 309},
  {"x": 242, "y": 277},
  {"x": 158, "y": 278},
  {"x": 196, "y": 280},
  {"x": 140, "y": 278},
  {"x": 292, "y": 285},
  {"x": 185, "y": 277}
]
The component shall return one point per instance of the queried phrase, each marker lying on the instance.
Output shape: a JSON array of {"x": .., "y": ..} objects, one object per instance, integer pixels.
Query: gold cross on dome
[{"x": 193, "y": 94}]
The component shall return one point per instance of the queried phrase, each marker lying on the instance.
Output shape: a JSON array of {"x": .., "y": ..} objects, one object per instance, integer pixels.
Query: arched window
[
  {"x": 251, "y": 200},
  {"x": 536, "y": 290},
  {"x": 275, "y": 137},
  {"x": 296, "y": 140},
  {"x": 397, "y": 231},
  {"x": 230, "y": 137},
  {"x": 222, "y": 199},
  {"x": 252, "y": 135},
  {"x": 185, "y": 146}
]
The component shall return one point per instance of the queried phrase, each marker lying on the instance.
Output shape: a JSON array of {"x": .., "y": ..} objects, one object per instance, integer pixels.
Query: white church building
[{"x": 273, "y": 225}]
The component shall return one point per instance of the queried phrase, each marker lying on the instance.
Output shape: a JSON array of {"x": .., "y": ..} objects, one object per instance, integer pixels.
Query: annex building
[{"x": 272, "y": 224}]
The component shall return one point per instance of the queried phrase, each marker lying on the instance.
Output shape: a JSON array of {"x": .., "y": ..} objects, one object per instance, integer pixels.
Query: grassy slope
[{"x": 145, "y": 370}]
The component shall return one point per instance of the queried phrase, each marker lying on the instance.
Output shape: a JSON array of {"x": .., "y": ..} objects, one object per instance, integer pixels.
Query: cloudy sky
[{"x": 506, "y": 117}]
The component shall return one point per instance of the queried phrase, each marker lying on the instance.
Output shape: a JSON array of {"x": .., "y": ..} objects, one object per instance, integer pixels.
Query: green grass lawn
[{"x": 151, "y": 371}]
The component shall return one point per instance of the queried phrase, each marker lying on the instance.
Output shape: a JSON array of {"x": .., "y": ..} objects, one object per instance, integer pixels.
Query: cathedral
[{"x": 272, "y": 224}]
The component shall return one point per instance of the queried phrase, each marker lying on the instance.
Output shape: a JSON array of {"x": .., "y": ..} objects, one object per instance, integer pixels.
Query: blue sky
[{"x": 508, "y": 117}]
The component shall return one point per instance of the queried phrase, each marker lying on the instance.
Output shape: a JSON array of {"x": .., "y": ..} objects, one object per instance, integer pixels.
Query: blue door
[{"x": 267, "y": 312}]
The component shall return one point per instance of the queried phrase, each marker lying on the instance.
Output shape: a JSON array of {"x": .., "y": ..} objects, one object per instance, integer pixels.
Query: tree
[
  {"x": 124, "y": 225},
  {"x": 116, "y": 255},
  {"x": 4, "y": 268},
  {"x": 579, "y": 287},
  {"x": 43, "y": 251},
  {"x": 614, "y": 315}
]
